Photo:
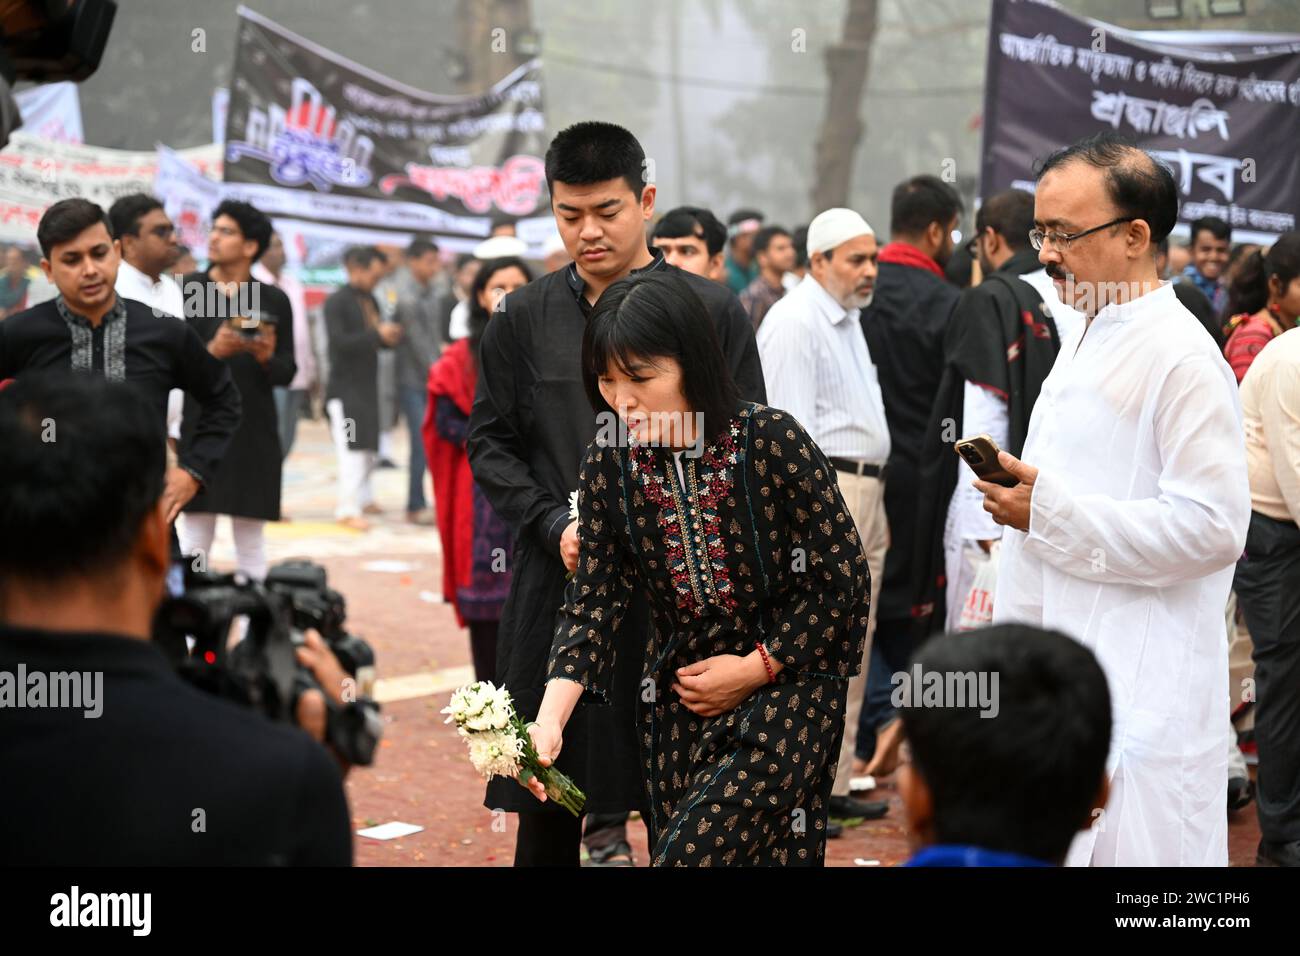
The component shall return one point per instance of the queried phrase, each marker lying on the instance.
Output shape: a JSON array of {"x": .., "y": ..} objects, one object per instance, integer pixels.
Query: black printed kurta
[
  {"x": 758, "y": 546},
  {"x": 528, "y": 433}
]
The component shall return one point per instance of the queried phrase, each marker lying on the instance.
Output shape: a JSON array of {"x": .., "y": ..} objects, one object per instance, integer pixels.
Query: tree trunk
[
  {"x": 488, "y": 58},
  {"x": 683, "y": 190},
  {"x": 842, "y": 127}
]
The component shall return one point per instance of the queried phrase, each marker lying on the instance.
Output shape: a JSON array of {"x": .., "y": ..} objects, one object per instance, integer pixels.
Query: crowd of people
[{"x": 782, "y": 528}]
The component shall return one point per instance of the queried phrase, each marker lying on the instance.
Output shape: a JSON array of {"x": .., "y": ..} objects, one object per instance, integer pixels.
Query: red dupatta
[{"x": 453, "y": 376}]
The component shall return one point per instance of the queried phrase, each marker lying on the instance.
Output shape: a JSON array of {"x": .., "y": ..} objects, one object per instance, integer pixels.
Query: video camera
[
  {"x": 44, "y": 41},
  {"x": 261, "y": 671}
]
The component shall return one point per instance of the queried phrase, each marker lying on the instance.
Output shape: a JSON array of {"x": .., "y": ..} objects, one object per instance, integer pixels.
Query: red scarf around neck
[{"x": 900, "y": 253}]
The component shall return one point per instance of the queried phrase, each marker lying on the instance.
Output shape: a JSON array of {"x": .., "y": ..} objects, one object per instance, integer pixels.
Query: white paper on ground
[
  {"x": 389, "y": 831},
  {"x": 390, "y": 567}
]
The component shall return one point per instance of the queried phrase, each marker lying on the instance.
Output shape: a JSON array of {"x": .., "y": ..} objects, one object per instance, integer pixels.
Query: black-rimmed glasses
[{"x": 1062, "y": 240}]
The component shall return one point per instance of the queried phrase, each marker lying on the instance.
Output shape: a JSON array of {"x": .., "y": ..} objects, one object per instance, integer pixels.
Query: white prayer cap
[
  {"x": 833, "y": 227},
  {"x": 554, "y": 245},
  {"x": 498, "y": 247}
]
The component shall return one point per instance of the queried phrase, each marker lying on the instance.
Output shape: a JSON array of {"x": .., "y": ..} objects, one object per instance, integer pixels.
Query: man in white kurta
[{"x": 1137, "y": 508}]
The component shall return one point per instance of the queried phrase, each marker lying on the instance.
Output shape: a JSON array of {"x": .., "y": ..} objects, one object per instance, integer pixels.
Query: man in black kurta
[
  {"x": 355, "y": 337},
  {"x": 151, "y": 353},
  {"x": 122, "y": 341},
  {"x": 259, "y": 354},
  {"x": 905, "y": 326},
  {"x": 529, "y": 431}
]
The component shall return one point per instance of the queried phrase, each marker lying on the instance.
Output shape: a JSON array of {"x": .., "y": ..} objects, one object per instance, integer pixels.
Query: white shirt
[
  {"x": 459, "y": 326},
  {"x": 1138, "y": 516},
  {"x": 165, "y": 298},
  {"x": 817, "y": 367},
  {"x": 1270, "y": 404}
]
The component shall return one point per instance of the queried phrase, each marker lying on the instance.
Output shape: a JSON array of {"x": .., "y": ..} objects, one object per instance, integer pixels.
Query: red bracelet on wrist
[{"x": 762, "y": 652}]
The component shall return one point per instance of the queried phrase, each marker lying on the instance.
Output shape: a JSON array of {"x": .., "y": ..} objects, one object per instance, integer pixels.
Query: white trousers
[
  {"x": 197, "y": 530},
  {"x": 355, "y": 467}
]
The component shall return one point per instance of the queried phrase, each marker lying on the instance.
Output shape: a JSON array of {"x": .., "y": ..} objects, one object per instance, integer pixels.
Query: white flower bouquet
[{"x": 500, "y": 745}]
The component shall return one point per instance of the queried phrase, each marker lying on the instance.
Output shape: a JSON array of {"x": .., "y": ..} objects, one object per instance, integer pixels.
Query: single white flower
[
  {"x": 469, "y": 701},
  {"x": 495, "y": 753}
]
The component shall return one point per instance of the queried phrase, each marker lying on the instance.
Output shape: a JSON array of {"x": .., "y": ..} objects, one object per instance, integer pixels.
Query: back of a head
[
  {"x": 1249, "y": 290},
  {"x": 692, "y": 221},
  {"x": 126, "y": 212},
  {"x": 800, "y": 239},
  {"x": 1138, "y": 184},
  {"x": 1010, "y": 214},
  {"x": 920, "y": 201},
  {"x": 595, "y": 152},
  {"x": 1022, "y": 775},
  {"x": 83, "y": 465}
]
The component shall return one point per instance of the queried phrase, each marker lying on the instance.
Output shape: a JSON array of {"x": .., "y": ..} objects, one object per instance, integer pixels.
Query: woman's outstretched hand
[{"x": 547, "y": 740}]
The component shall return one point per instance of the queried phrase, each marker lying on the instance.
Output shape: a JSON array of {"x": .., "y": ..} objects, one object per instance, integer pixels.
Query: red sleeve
[{"x": 1244, "y": 345}]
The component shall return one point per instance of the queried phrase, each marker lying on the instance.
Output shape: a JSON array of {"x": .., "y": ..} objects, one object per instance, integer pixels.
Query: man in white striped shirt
[{"x": 818, "y": 368}]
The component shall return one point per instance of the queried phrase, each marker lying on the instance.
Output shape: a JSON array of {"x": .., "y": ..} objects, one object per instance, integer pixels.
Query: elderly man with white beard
[{"x": 1132, "y": 506}]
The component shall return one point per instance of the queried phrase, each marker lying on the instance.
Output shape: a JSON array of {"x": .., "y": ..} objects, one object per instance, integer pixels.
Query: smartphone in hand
[{"x": 981, "y": 453}]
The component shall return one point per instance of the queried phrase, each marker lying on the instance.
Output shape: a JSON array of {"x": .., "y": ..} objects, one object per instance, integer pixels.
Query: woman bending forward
[{"x": 729, "y": 518}]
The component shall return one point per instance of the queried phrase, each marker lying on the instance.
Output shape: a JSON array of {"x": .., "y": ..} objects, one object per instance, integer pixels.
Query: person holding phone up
[{"x": 249, "y": 326}]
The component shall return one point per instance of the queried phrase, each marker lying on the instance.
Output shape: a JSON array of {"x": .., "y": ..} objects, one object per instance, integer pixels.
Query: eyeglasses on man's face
[{"x": 1062, "y": 240}]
